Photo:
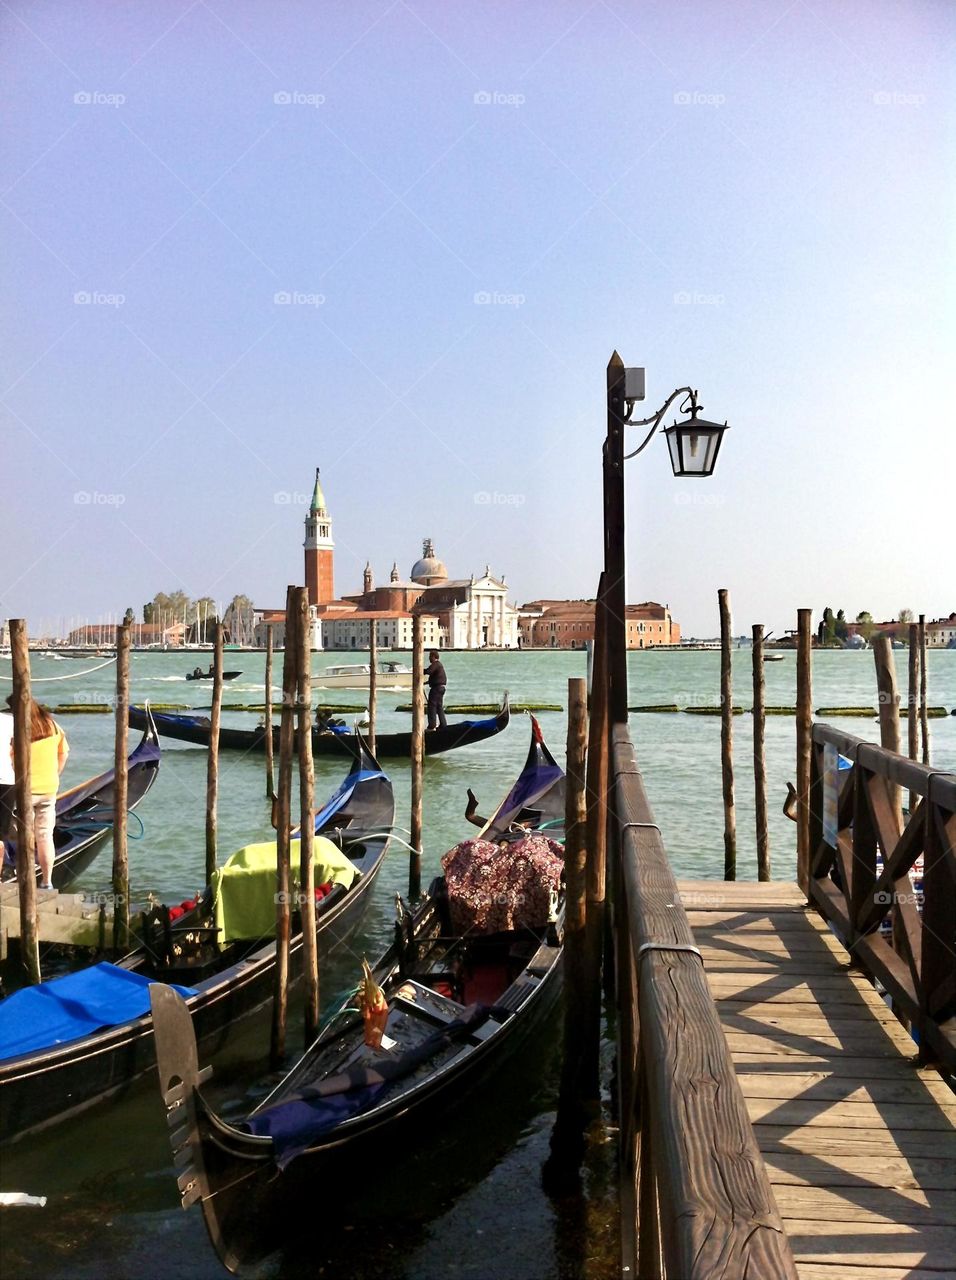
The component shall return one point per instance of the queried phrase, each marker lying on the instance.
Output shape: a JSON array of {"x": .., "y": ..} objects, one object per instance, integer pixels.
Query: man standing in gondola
[{"x": 437, "y": 680}]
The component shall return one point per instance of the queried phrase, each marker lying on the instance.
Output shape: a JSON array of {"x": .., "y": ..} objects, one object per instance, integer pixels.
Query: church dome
[{"x": 429, "y": 569}]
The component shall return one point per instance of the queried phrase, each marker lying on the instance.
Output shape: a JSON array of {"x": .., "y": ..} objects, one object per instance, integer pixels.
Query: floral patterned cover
[{"x": 493, "y": 888}]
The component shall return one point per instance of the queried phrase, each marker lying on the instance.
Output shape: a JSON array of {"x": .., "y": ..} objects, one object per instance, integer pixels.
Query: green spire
[{"x": 318, "y": 497}]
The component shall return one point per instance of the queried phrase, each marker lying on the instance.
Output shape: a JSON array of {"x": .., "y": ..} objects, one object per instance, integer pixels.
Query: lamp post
[{"x": 693, "y": 444}]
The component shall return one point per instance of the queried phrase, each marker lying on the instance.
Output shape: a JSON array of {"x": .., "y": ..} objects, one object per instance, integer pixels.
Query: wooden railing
[
  {"x": 853, "y": 817},
  {"x": 696, "y": 1199}
]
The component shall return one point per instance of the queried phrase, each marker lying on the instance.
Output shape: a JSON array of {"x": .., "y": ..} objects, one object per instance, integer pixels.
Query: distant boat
[
  {"x": 209, "y": 675},
  {"x": 774, "y": 657},
  {"x": 391, "y": 675}
]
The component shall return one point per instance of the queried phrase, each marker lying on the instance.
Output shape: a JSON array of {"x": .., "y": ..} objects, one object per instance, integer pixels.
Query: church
[{"x": 457, "y": 613}]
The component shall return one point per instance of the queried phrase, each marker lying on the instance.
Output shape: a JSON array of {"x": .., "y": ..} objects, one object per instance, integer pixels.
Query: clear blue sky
[{"x": 752, "y": 197}]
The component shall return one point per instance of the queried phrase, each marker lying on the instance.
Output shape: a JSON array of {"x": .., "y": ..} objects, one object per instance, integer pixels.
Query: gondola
[
  {"x": 48, "y": 1082},
  {"x": 196, "y": 729},
  {"x": 461, "y": 1006},
  {"x": 209, "y": 675},
  {"x": 84, "y": 814}
]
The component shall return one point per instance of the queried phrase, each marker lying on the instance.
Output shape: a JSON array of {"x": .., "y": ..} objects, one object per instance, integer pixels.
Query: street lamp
[{"x": 693, "y": 444}]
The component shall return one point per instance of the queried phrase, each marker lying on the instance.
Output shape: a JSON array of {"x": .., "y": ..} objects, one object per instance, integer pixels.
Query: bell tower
[{"x": 319, "y": 549}]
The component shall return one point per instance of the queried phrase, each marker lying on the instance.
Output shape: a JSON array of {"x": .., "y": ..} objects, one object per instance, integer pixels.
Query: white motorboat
[{"x": 391, "y": 675}]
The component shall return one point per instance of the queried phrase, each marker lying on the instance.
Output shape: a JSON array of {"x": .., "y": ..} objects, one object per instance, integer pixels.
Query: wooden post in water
[
  {"x": 615, "y": 570},
  {"x": 26, "y": 844},
  {"x": 567, "y": 1138},
  {"x": 121, "y": 795},
  {"x": 804, "y": 743},
  {"x": 310, "y": 955},
  {"x": 270, "y": 774},
  {"x": 596, "y": 857},
  {"x": 923, "y": 714},
  {"x": 212, "y": 758},
  {"x": 727, "y": 738},
  {"x": 760, "y": 757},
  {"x": 889, "y": 711},
  {"x": 418, "y": 758},
  {"x": 912, "y": 704},
  {"x": 372, "y": 681},
  {"x": 283, "y": 811}
]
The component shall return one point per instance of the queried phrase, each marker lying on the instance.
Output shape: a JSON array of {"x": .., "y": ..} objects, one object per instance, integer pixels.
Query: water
[{"x": 479, "y": 1211}]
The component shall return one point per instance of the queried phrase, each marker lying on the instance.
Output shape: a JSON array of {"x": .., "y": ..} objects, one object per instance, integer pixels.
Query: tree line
[
  {"x": 200, "y": 616},
  {"x": 834, "y": 628}
]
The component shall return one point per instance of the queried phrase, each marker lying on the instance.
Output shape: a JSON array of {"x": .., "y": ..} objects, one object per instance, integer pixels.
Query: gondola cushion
[{"x": 245, "y": 887}]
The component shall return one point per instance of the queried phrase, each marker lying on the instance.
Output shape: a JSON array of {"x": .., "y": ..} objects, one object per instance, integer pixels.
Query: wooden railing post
[
  {"x": 923, "y": 678},
  {"x": 22, "y": 707},
  {"x": 760, "y": 756},
  {"x": 283, "y": 810},
  {"x": 121, "y": 794},
  {"x": 804, "y": 742},
  {"x": 727, "y": 738}
]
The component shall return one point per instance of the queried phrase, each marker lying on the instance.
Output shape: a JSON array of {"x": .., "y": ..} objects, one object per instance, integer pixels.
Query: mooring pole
[
  {"x": 596, "y": 857},
  {"x": 567, "y": 1138},
  {"x": 121, "y": 795},
  {"x": 804, "y": 743},
  {"x": 727, "y": 738},
  {"x": 418, "y": 758},
  {"x": 372, "y": 681},
  {"x": 889, "y": 712},
  {"x": 310, "y": 954},
  {"x": 26, "y": 844},
  {"x": 212, "y": 759},
  {"x": 270, "y": 769},
  {"x": 283, "y": 810},
  {"x": 923, "y": 678},
  {"x": 760, "y": 755},
  {"x": 912, "y": 704}
]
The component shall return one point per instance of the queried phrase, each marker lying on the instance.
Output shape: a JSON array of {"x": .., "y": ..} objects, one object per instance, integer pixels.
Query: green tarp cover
[{"x": 245, "y": 886}]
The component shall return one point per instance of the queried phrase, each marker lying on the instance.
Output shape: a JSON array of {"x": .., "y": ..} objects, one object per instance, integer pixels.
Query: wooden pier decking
[{"x": 859, "y": 1143}]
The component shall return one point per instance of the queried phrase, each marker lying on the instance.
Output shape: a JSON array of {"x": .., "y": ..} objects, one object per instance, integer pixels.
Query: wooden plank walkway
[
  {"x": 73, "y": 919},
  {"x": 859, "y": 1143}
]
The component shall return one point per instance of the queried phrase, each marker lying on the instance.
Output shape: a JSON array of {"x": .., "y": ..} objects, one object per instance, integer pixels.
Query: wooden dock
[
  {"x": 70, "y": 919},
  {"x": 859, "y": 1143}
]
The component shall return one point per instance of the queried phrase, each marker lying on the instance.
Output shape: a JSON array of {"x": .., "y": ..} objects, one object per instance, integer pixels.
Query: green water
[{"x": 112, "y": 1209}]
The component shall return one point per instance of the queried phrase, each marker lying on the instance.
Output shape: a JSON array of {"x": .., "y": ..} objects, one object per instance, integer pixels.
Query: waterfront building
[
  {"x": 569, "y": 624},
  {"x": 393, "y": 630},
  {"x": 941, "y": 633}
]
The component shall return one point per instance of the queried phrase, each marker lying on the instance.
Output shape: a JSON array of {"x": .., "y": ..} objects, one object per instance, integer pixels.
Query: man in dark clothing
[{"x": 435, "y": 674}]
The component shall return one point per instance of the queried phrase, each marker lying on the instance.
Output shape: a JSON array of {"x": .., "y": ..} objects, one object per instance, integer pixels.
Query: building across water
[{"x": 569, "y": 624}]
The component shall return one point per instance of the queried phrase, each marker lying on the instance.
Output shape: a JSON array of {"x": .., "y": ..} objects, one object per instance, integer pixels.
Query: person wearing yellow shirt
[{"x": 48, "y": 754}]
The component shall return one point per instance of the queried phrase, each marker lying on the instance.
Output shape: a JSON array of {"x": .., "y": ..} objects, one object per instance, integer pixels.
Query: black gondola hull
[{"x": 196, "y": 730}]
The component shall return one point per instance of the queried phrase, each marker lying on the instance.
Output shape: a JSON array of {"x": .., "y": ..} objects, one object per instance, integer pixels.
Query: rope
[
  {"x": 94, "y": 825},
  {"x": 75, "y": 676}
]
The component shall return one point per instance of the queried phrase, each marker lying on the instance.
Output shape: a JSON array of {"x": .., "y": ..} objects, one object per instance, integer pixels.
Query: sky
[{"x": 400, "y": 240}]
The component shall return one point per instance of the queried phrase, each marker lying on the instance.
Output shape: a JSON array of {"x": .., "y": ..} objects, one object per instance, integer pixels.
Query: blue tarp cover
[{"x": 71, "y": 1007}]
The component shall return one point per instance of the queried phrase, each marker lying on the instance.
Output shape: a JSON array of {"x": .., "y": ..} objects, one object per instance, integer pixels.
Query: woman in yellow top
[{"x": 48, "y": 753}]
